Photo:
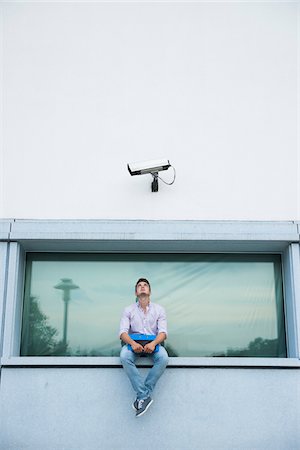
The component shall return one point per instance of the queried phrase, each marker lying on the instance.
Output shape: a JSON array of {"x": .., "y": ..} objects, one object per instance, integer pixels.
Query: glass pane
[{"x": 217, "y": 305}]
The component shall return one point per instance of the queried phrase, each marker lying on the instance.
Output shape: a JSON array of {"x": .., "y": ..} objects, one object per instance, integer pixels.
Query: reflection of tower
[{"x": 66, "y": 285}]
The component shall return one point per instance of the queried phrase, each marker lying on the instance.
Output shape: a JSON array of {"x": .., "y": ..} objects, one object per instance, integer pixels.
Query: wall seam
[{"x": 6, "y": 270}]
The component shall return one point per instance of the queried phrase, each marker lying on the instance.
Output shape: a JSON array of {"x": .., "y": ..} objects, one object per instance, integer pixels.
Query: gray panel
[
  {"x": 89, "y": 409},
  {"x": 3, "y": 279},
  {"x": 154, "y": 246},
  {"x": 153, "y": 230},
  {"x": 5, "y": 226},
  {"x": 291, "y": 273},
  {"x": 13, "y": 309}
]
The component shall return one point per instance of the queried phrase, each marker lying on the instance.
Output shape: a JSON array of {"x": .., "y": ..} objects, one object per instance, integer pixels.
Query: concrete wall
[
  {"x": 228, "y": 409},
  {"x": 73, "y": 403},
  {"x": 90, "y": 86}
]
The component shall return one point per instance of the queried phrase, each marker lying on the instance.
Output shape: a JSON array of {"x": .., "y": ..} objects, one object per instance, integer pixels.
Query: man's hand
[
  {"x": 137, "y": 348},
  {"x": 149, "y": 348}
]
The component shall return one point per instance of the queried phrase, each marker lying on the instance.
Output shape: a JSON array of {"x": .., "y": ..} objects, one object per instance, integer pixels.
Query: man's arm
[{"x": 162, "y": 331}]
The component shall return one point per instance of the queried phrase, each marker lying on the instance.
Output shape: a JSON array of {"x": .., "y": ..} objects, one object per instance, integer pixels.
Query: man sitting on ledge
[{"x": 147, "y": 318}]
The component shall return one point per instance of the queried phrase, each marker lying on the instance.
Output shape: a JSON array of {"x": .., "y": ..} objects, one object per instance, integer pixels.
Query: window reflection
[{"x": 217, "y": 305}]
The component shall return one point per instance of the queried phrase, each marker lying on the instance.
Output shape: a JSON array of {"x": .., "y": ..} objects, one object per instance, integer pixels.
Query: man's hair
[{"x": 142, "y": 280}]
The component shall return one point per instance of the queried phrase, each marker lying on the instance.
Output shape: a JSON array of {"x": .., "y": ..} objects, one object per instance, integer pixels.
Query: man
[{"x": 143, "y": 317}]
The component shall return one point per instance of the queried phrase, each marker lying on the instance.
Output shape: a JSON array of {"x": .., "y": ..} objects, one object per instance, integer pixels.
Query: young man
[{"x": 143, "y": 317}]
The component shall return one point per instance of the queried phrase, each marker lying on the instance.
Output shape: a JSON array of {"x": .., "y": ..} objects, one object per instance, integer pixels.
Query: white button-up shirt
[{"x": 134, "y": 320}]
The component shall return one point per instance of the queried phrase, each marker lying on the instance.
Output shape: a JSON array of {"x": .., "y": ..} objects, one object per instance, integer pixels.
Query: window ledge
[{"x": 178, "y": 362}]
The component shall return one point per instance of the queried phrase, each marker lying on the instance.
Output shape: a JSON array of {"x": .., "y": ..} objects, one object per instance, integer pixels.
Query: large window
[{"x": 216, "y": 304}]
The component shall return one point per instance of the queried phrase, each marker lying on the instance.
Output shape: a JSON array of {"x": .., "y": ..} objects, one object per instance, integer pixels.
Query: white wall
[{"x": 88, "y": 87}]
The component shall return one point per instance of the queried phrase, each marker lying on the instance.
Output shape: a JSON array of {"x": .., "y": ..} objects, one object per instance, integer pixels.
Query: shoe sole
[
  {"x": 133, "y": 407},
  {"x": 139, "y": 415}
]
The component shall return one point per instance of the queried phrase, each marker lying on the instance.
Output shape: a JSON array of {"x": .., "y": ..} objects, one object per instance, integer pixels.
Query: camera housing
[{"x": 152, "y": 167}]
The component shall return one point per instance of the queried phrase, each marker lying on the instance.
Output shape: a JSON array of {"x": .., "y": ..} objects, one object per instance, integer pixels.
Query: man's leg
[
  {"x": 128, "y": 358},
  {"x": 160, "y": 361}
]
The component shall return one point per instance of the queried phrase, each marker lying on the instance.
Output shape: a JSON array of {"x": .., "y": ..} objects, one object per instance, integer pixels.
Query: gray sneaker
[
  {"x": 143, "y": 405},
  {"x": 135, "y": 404}
]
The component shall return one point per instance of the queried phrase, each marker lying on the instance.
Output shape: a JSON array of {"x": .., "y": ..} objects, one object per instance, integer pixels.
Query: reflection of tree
[
  {"x": 258, "y": 348},
  {"x": 107, "y": 350},
  {"x": 40, "y": 336}
]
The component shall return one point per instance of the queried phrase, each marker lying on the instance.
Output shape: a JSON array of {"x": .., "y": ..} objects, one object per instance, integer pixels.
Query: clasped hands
[{"x": 138, "y": 348}]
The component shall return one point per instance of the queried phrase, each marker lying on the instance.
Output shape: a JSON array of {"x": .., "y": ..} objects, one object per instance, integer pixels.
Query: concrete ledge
[
  {"x": 153, "y": 230},
  {"x": 179, "y": 362},
  {"x": 153, "y": 235}
]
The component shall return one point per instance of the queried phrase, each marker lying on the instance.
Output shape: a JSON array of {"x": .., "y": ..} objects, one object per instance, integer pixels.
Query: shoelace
[{"x": 140, "y": 403}]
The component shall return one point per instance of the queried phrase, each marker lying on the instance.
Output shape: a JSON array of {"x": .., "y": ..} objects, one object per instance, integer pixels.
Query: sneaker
[
  {"x": 143, "y": 405},
  {"x": 135, "y": 404}
]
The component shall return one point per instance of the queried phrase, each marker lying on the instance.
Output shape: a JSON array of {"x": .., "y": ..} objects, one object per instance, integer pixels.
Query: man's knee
[
  {"x": 125, "y": 355},
  {"x": 163, "y": 355}
]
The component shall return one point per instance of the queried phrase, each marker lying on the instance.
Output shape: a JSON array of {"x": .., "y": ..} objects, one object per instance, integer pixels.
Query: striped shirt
[{"x": 134, "y": 320}]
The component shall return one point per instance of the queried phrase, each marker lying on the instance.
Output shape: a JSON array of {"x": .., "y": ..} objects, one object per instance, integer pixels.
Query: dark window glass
[{"x": 216, "y": 304}]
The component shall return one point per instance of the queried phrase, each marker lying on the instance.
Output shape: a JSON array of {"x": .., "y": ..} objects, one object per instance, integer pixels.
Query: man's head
[{"x": 142, "y": 287}]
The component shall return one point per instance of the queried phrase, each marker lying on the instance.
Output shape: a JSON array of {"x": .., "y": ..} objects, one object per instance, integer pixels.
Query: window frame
[{"x": 188, "y": 241}]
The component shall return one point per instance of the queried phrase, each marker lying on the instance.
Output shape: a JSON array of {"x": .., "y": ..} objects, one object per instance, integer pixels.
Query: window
[{"x": 216, "y": 304}]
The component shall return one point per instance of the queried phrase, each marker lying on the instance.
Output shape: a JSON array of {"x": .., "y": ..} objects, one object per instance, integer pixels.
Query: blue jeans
[{"x": 144, "y": 388}]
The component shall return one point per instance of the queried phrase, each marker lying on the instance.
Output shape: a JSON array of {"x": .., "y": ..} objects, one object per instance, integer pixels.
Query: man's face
[{"x": 142, "y": 289}]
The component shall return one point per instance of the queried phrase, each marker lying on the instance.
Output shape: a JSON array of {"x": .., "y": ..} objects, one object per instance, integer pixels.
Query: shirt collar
[{"x": 141, "y": 309}]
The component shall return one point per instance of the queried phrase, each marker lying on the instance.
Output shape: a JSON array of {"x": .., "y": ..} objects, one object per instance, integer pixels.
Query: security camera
[
  {"x": 152, "y": 168},
  {"x": 141, "y": 168}
]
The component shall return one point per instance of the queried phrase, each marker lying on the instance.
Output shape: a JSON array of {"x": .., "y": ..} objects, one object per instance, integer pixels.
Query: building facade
[
  {"x": 88, "y": 87},
  {"x": 73, "y": 398}
]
